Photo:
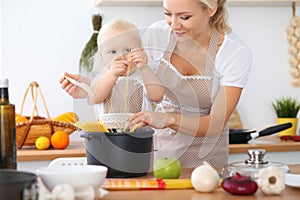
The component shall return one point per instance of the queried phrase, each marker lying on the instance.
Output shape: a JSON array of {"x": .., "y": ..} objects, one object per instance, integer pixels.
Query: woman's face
[{"x": 187, "y": 18}]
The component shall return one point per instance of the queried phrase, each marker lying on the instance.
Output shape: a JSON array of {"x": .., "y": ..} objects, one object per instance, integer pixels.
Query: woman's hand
[
  {"x": 73, "y": 90},
  {"x": 156, "y": 120}
]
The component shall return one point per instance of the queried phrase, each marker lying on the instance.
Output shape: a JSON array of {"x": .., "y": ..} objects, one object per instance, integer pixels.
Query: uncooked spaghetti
[{"x": 125, "y": 95}]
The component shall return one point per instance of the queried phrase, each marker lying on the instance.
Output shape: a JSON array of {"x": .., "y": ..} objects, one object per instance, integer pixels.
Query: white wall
[{"x": 42, "y": 39}]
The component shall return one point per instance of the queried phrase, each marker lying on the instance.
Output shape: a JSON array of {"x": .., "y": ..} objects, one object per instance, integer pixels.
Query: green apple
[{"x": 167, "y": 168}]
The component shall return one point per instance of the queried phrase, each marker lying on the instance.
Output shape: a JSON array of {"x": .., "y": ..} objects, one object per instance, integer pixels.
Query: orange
[
  {"x": 20, "y": 118},
  {"x": 42, "y": 143},
  {"x": 59, "y": 140}
]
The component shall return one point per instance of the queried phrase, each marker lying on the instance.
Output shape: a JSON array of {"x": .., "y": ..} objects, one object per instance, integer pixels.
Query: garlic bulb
[
  {"x": 295, "y": 21},
  {"x": 271, "y": 180},
  {"x": 292, "y": 40},
  {"x": 294, "y": 62},
  {"x": 296, "y": 82},
  {"x": 205, "y": 178},
  {"x": 85, "y": 192},
  {"x": 298, "y": 55},
  {"x": 293, "y": 37},
  {"x": 294, "y": 72},
  {"x": 293, "y": 50},
  {"x": 290, "y": 30},
  {"x": 297, "y": 32},
  {"x": 63, "y": 192},
  {"x": 298, "y": 45}
]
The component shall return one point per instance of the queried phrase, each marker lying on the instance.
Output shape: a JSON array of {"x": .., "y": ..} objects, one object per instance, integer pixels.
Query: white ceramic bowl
[{"x": 74, "y": 175}]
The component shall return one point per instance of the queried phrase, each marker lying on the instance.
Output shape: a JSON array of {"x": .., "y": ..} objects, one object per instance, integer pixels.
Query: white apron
[{"x": 191, "y": 96}]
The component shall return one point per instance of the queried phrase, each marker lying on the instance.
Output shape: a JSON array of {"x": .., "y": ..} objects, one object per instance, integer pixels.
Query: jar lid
[
  {"x": 252, "y": 165},
  {"x": 4, "y": 83}
]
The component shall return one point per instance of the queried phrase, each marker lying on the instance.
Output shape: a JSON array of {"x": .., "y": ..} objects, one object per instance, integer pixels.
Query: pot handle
[
  {"x": 86, "y": 136},
  {"x": 91, "y": 136}
]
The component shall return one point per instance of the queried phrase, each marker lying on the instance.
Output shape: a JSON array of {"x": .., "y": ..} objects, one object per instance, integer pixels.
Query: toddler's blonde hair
[{"x": 113, "y": 26}]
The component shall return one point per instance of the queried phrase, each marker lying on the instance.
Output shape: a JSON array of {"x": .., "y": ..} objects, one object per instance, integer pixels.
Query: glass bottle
[{"x": 7, "y": 129}]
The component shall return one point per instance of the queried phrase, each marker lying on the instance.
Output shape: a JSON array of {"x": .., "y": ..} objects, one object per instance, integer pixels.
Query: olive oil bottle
[{"x": 7, "y": 129}]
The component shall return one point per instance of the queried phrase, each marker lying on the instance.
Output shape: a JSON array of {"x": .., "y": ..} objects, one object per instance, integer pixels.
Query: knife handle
[{"x": 275, "y": 129}]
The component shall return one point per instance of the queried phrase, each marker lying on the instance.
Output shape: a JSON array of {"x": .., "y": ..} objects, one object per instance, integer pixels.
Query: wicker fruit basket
[{"x": 35, "y": 126}]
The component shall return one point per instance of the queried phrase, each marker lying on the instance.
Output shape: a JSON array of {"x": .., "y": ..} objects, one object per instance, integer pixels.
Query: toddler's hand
[
  {"x": 119, "y": 66},
  {"x": 139, "y": 58}
]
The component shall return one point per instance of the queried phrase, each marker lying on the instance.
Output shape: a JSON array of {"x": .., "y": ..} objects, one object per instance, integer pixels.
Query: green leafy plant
[
  {"x": 286, "y": 107},
  {"x": 86, "y": 61}
]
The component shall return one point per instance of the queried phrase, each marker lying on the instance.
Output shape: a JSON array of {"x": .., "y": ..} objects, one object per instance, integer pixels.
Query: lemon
[{"x": 42, "y": 143}]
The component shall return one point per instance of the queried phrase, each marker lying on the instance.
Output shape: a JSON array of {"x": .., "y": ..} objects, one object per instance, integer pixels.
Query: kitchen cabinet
[{"x": 159, "y": 2}]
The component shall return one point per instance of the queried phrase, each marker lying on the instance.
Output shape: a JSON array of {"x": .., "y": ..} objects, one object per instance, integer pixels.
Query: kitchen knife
[{"x": 242, "y": 136}]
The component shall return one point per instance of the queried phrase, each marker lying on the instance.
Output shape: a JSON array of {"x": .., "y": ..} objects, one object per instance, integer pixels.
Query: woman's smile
[{"x": 180, "y": 33}]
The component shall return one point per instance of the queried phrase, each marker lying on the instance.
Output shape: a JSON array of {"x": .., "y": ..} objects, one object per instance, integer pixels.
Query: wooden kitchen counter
[
  {"x": 77, "y": 149},
  {"x": 270, "y": 143},
  {"x": 190, "y": 194}
]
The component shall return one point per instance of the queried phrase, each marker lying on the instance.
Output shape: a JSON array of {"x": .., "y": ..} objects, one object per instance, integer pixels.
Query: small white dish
[
  {"x": 292, "y": 180},
  {"x": 80, "y": 175}
]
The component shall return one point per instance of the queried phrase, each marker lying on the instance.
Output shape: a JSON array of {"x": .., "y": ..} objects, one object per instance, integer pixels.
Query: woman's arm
[
  {"x": 210, "y": 125},
  {"x": 155, "y": 89}
]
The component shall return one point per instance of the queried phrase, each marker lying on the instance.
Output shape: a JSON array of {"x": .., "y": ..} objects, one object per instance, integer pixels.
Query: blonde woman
[{"x": 204, "y": 67}]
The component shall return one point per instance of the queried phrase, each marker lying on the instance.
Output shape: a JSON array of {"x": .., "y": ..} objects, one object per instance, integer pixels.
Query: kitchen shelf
[{"x": 159, "y": 2}]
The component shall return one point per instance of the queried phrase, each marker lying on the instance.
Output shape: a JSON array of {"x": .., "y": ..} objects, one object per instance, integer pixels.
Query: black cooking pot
[
  {"x": 17, "y": 185},
  {"x": 124, "y": 154}
]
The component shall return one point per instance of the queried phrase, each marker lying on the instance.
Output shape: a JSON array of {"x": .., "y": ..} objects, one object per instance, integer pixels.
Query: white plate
[{"x": 292, "y": 180}]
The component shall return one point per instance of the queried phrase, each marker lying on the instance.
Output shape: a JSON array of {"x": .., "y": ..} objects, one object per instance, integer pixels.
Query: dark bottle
[{"x": 7, "y": 129}]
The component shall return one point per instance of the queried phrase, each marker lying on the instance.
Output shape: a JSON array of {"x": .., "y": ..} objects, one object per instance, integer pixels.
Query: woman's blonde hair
[
  {"x": 219, "y": 19},
  {"x": 114, "y": 25}
]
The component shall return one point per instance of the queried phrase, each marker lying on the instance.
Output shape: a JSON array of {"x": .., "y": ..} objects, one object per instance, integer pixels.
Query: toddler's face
[{"x": 118, "y": 45}]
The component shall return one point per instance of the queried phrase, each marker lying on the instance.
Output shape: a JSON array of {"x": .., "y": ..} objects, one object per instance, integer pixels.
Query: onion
[
  {"x": 239, "y": 185},
  {"x": 205, "y": 178}
]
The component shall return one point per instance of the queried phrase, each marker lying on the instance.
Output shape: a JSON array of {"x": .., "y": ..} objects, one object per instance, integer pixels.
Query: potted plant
[{"x": 286, "y": 109}]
